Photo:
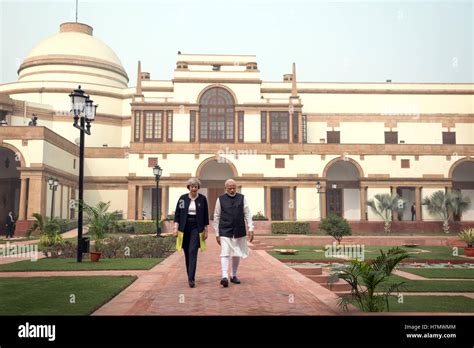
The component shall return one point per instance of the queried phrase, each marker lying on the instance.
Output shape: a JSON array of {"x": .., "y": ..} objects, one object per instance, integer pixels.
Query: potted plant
[
  {"x": 100, "y": 223},
  {"x": 467, "y": 235}
]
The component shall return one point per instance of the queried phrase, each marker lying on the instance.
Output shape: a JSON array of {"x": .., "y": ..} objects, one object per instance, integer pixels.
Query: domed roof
[{"x": 73, "y": 45}]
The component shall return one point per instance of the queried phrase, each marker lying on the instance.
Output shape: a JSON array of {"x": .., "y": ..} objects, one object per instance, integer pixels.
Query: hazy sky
[{"x": 351, "y": 41}]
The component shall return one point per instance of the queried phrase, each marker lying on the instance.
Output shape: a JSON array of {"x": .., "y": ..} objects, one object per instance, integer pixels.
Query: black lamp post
[
  {"x": 157, "y": 171},
  {"x": 53, "y": 186},
  {"x": 84, "y": 114}
]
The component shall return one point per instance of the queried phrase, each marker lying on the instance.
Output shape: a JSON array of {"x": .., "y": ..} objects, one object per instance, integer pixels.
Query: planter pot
[
  {"x": 469, "y": 252},
  {"x": 95, "y": 256}
]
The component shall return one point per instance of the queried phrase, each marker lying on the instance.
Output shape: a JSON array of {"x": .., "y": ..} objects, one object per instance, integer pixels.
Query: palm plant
[
  {"x": 383, "y": 205},
  {"x": 368, "y": 279},
  {"x": 446, "y": 205},
  {"x": 49, "y": 230},
  {"x": 100, "y": 221}
]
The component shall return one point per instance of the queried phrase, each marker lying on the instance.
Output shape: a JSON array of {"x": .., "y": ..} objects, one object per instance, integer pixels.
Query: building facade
[{"x": 216, "y": 119}]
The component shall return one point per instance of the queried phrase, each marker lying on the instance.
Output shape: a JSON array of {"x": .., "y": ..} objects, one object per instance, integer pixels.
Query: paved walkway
[{"x": 268, "y": 288}]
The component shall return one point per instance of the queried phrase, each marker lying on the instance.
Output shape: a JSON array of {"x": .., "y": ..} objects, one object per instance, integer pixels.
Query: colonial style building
[{"x": 216, "y": 119}]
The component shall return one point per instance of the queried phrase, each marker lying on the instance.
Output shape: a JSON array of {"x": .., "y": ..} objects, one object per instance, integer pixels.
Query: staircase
[
  {"x": 259, "y": 245},
  {"x": 317, "y": 275}
]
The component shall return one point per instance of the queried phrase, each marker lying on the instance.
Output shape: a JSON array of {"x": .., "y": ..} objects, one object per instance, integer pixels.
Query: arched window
[{"x": 216, "y": 116}]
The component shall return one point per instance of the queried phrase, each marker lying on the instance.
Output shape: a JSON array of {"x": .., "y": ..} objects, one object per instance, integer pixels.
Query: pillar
[
  {"x": 268, "y": 203},
  {"x": 164, "y": 202},
  {"x": 292, "y": 203},
  {"x": 363, "y": 203},
  {"x": 23, "y": 197},
  {"x": 132, "y": 201},
  {"x": 268, "y": 127},
  {"x": 140, "y": 203},
  {"x": 323, "y": 200},
  {"x": 418, "y": 203}
]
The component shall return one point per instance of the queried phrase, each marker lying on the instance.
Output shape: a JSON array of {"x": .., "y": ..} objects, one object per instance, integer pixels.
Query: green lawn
[
  {"x": 459, "y": 304},
  {"x": 453, "y": 273},
  {"x": 53, "y": 295},
  {"x": 317, "y": 253},
  {"x": 430, "y": 285},
  {"x": 86, "y": 265}
]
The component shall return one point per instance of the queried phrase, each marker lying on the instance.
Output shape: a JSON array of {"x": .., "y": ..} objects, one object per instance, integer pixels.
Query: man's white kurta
[{"x": 233, "y": 246}]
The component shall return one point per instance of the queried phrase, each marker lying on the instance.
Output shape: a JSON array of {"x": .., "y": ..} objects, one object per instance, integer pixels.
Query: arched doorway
[
  {"x": 10, "y": 184},
  {"x": 216, "y": 116},
  {"x": 463, "y": 180},
  {"x": 213, "y": 173},
  {"x": 343, "y": 189}
]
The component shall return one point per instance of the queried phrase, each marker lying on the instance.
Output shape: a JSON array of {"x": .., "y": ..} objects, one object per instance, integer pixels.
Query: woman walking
[{"x": 192, "y": 218}]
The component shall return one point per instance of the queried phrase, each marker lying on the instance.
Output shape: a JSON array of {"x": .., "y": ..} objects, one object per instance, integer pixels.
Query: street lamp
[
  {"x": 53, "y": 186},
  {"x": 157, "y": 171},
  {"x": 84, "y": 113}
]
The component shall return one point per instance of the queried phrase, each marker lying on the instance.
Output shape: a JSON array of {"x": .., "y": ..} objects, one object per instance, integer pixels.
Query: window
[
  {"x": 279, "y": 126},
  {"x": 263, "y": 126},
  {"x": 449, "y": 137},
  {"x": 405, "y": 163},
  {"x": 152, "y": 161},
  {"x": 391, "y": 137},
  {"x": 279, "y": 163},
  {"x": 241, "y": 126},
  {"x": 169, "y": 125},
  {"x": 216, "y": 111},
  {"x": 192, "y": 127},
  {"x": 333, "y": 137},
  {"x": 295, "y": 127},
  {"x": 304, "y": 129},
  {"x": 137, "y": 126},
  {"x": 153, "y": 125}
]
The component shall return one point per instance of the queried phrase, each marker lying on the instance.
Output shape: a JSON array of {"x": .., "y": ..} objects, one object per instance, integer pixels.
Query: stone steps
[{"x": 309, "y": 271}]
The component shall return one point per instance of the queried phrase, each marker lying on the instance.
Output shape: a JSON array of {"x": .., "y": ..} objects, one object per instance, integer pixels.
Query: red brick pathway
[{"x": 268, "y": 288}]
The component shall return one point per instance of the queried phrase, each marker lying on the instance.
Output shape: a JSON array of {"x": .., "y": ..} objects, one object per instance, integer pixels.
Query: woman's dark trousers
[{"x": 191, "y": 246}]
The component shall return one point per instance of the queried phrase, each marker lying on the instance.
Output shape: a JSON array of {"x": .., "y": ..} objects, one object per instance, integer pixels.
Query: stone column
[
  {"x": 268, "y": 203},
  {"x": 418, "y": 203},
  {"x": 323, "y": 200},
  {"x": 23, "y": 195},
  {"x": 363, "y": 202},
  {"x": 132, "y": 201},
  {"x": 292, "y": 202},
  {"x": 140, "y": 203}
]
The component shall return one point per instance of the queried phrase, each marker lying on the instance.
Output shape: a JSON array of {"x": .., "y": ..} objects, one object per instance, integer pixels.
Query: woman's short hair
[{"x": 193, "y": 182}]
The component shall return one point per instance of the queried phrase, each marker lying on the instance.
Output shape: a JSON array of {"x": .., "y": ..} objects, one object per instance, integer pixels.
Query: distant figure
[
  {"x": 413, "y": 212},
  {"x": 33, "y": 121},
  {"x": 9, "y": 225}
]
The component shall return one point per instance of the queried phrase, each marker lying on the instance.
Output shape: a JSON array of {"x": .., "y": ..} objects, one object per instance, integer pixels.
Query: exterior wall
[
  {"x": 181, "y": 124},
  {"x": 255, "y": 197},
  {"x": 362, "y": 133},
  {"x": 252, "y": 127},
  {"x": 464, "y": 133},
  {"x": 317, "y": 131},
  {"x": 105, "y": 167},
  {"x": 352, "y": 204},
  {"x": 118, "y": 199},
  {"x": 420, "y": 133},
  {"x": 307, "y": 204}
]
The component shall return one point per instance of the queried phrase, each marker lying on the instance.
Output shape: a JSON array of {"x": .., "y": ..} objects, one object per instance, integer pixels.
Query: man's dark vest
[{"x": 232, "y": 221}]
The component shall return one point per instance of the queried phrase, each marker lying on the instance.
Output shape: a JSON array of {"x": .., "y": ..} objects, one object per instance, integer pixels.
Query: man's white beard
[{"x": 232, "y": 195}]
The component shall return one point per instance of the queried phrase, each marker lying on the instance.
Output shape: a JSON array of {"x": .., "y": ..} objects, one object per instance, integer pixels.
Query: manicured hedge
[
  {"x": 290, "y": 227},
  {"x": 135, "y": 227}
]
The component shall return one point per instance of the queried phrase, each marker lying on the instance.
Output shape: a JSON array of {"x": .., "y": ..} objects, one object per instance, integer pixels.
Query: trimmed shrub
[
  {"x": 335, "y": 226},
  {"x": 66, "y": 225},
  {"x": 134, "y": 227},
  {"x": 290, "y": 227},
  {"x": 259, "y": 217},
  {"x": 123, "y": 247}
]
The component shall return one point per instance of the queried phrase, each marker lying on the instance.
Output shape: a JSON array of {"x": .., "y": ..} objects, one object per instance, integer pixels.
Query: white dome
[{"x": 72, "y": 52}]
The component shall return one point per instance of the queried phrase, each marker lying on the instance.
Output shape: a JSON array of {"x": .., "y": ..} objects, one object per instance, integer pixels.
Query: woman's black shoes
[
  {"x": 235, "y": 280},
  {"x": 225, "y": 282},
  {"x": 191, "y": 283}
]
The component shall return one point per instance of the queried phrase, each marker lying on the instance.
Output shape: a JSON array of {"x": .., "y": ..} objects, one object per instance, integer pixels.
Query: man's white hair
[{"x": 229, "y": 182}]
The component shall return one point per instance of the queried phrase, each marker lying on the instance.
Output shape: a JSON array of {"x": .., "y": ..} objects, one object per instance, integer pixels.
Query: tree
[
  {"x": 383, "y": 205},
  {"x": 446, "y": 205},
  {"x": 100, "y": 221},
  {"x": 369, "y": 281},
  {"x": 335, "y": 226},
  {"x": 50, "y": 236}
]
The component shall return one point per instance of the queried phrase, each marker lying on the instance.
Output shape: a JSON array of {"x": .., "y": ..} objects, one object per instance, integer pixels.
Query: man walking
[
  {"x": 10, "y": 224},
  {"x": 413, "y": 212},
  {"x": 230, "y": 215}
]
